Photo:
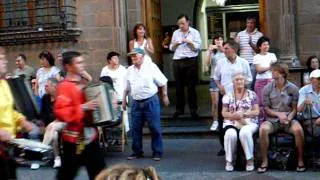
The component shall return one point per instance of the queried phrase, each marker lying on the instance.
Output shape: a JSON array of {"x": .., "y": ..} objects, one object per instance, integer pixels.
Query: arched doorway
[{"x": 227, "y": 17}]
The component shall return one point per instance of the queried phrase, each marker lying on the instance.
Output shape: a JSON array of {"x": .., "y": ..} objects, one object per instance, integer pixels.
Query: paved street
[{"x": 185, "y": 159}]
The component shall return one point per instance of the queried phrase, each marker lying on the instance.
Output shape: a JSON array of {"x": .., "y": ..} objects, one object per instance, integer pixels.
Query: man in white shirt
[
  {"x": 225, "y": 69},
  {"x": 185, "y": 43},
  {"x": 143, "y": 82},
  {"x": 247, "y": 40}
]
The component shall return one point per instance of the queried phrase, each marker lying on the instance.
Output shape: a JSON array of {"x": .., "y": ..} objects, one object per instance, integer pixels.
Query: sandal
[
  {"x": 262, "y": 169},
  {"x": 301, "y": 168}
]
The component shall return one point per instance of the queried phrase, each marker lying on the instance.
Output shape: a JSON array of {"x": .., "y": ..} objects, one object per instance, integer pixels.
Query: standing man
[
  {"x": 247, "y": 40},
  {"x": 185, "y": 43},
  {"x": 79, "y": 137},
  {"x": 23, "y": 68},
  {"x": 143, "y": 81}
]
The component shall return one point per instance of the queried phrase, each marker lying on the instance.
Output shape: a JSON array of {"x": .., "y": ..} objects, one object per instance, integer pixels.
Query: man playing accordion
[
  {"x": 11, "y": 122},
  {"x": 80, "y": 137}
]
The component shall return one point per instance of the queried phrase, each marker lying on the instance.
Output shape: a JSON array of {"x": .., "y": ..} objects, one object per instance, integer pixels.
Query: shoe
[
  {"x": 134, "y": 156},
  {"x": 156, "y": 157},
  {"x": 176, "y": 115},
  {"x": 194, "y": 115},
  {"x": 35, "y": 166},
  {"x": 301, "y": 168},
  {"x": 214, "y": 126},
  {"x": 262, "y": 169},
  {"x": 229, "y": 167},
  {"x": 249, "y": 168},
  {"x": 57, "y": 162}
]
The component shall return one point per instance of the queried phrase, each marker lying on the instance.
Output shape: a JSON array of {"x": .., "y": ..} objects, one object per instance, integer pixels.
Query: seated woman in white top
[
  {"x": 240, "y": 111},
  {"x": 263, "y": 62},
  {"x": 313, "y": 63},
  {"x": 142, "y": 41},
  {"x": 116, "y": 72}
]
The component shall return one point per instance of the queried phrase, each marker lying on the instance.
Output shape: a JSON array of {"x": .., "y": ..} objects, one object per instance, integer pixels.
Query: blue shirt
[
  {"x": 308, "y": 92},
  {"x": 184, "y": 50}
]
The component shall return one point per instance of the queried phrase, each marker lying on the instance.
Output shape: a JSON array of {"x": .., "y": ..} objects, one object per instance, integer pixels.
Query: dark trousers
[
  {"x": 7, "y": 164},
  {"x": 186, "y": 74},
  {"x": 146, "y": 110},
  {"x": 91, "y": 157},
  {"x": 220, "y": 121}
]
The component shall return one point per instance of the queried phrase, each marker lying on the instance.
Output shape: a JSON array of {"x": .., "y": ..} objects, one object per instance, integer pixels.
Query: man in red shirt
[{"x": 80, "y": 137}]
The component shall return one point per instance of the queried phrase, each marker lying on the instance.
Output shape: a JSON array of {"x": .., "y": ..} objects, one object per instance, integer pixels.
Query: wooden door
[{"x": 152, "y": 19}]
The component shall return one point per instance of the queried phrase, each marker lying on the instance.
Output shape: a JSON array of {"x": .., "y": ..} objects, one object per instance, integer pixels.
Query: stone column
[
  {"x": 288, "y": 48},
  {"x": 120, "y": 26}
]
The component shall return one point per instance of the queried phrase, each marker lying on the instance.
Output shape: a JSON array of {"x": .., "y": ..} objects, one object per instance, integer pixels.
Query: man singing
[{"x": 79, "y": 138}]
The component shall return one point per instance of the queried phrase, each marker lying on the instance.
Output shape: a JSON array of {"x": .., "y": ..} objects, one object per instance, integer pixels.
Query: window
[{"x": 48, "y": 19}]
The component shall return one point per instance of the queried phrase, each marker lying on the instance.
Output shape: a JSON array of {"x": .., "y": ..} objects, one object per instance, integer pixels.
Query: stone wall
[
  {"x": 102, "y": 29},
  {"x": 308, "y": 28},
  {"x": 307, "y": 23}
]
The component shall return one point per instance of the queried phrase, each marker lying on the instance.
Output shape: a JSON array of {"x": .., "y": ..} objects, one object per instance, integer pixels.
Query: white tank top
[{"x": 147, "y": 56}]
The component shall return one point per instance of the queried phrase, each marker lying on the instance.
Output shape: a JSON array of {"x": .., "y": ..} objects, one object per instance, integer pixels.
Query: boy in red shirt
[{"x": 80, "y": 137}]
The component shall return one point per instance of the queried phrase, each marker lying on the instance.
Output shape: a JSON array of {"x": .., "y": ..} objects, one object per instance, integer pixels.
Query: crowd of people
[{"x": 250, "y": 94}]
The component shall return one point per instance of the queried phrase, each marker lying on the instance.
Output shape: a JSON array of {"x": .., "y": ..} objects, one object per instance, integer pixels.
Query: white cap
[{"x": 315, "y": 73}]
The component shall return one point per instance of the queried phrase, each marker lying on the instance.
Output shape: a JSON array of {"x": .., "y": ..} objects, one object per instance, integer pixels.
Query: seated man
[
  {"x": 309, "y": 102},
  {"x": 53, "y": 126},
  {"x": 280, "y": 100},
  {"x": 10, "y": 122}
]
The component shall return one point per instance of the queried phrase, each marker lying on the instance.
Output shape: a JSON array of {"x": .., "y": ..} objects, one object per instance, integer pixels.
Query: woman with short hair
[{"x": 240, "y": 111}]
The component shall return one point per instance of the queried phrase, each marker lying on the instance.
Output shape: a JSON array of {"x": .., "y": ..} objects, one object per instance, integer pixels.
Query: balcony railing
[{"x": 35, "y": 21}]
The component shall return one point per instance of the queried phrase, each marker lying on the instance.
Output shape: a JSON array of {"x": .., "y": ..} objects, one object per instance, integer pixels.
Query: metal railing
[{"x": 21, "y": 15}]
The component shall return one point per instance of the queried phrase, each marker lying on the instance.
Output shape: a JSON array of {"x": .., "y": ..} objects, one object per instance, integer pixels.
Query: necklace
[{"x": 235, "y": 97}]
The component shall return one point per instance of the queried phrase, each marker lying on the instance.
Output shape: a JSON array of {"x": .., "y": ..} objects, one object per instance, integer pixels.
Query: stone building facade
[{"x": 105, "y": 25}]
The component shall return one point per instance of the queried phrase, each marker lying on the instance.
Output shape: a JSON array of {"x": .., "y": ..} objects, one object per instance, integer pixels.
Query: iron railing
[{"x": 51, "y": 19}]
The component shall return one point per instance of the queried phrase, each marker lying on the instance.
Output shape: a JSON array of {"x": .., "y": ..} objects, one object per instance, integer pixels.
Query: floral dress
[{"x": 229, "y": 101}]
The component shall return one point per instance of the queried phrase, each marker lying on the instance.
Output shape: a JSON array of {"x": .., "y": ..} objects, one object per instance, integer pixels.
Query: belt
[
  {"x": 186, "y": 58},
  {"x": 144, "y": 100}
]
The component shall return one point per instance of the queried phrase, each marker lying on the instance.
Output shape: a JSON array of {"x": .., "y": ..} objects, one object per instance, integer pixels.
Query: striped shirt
[
  {"x": 246, "y": 50},
  {"x": 183, "y": 50}
]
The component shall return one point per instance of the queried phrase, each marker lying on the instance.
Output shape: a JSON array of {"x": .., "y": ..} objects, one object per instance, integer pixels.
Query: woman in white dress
[{"x": 142, "y": 41}]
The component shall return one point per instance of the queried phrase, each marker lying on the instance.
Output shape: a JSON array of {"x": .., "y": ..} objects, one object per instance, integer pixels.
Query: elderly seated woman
[{"x": 240, "y": 112}]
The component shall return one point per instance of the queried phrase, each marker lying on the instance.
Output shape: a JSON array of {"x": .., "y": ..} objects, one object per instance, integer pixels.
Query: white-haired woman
[{"x": 240, "y": 111}]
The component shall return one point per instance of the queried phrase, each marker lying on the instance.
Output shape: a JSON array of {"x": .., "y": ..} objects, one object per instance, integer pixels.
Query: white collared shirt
[
  {"x": 183, "y": 50},
  {"x": 143, "y": 83},
  {"x": 246, "y": 50},
  {"x": 225, "y": 70},
  {"x": 118, "y": 77}
]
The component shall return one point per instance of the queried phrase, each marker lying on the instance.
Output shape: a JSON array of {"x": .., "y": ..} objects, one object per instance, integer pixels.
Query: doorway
[{"x": 227, "y": 17}]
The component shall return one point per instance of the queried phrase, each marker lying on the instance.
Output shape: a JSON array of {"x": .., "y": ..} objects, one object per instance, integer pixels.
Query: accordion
[
  {"x": 108, "y": 111},
  {"x": 24, "y": 98}
]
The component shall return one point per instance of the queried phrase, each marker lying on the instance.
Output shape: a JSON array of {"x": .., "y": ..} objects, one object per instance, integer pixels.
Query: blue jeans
[{"x": 146, "y": 110}]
